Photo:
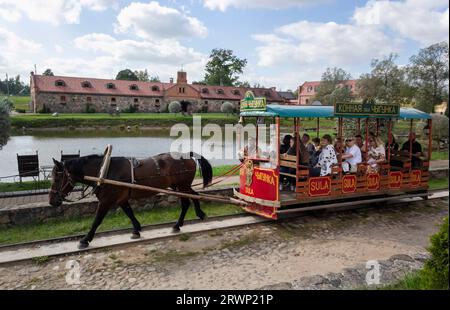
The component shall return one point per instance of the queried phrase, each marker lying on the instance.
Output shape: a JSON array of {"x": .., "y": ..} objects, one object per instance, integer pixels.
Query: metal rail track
[{"x": 120, "y": 237}]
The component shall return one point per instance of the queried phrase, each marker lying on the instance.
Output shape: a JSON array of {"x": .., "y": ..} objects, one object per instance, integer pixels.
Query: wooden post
[
  {"x": 430, "y": 140},
  {"x": 367, "y": 140},
  {"x": 277, "y": 130},
  {"x": 389, "y": 142},
  {"x": 318, "y": 127},
  {"x": 410, "y": 145}
]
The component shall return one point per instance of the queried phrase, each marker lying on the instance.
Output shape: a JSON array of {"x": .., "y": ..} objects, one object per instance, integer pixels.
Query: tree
[
  {"x": 440, "y": 128},
  {"x": 332, "y": 88},
  {"x": 127, "y": 75},
  {"x": 223, "y": 68},
  {"x": 385, "y": 83},
  {"x": 142, "y": 75},
  {"x": 428, "y": 72},
  {"x": 155, "y": 79},
  {"x": 174, "y": 107},
  {"x": 48, "y": 72},
  {"x": 227, "y": 107},
  {"x": 5, "y": 124},
  {"x": 244, "y": 84}
]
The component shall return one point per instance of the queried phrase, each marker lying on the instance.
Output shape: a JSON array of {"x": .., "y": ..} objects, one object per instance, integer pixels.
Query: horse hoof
[
  {"x": 135, "y": 235},
  {"x": 83, "y": 245},
  {"x": 176, "y": 229},
  {"x": 203, "y": 217}
]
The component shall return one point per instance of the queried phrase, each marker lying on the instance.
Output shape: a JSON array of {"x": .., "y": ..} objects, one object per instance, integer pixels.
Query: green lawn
[
  {"x": 21, "y": 102},
  {"x": 114, "y": 220},
  {"x": 438, "y": 183},
  {"x": 125, "y": 119},
  {"x": 439, "y": 155}
]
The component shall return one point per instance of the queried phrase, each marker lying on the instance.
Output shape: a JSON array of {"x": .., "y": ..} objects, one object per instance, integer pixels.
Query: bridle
[{"x": 63, "y": 184}]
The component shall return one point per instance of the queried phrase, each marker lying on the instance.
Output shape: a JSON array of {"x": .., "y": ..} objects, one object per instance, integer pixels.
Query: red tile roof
[{"x": 45, "y": 83}]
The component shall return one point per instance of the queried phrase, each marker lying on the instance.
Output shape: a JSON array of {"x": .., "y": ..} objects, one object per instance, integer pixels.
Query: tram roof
[{"x": 325, "y": 111}]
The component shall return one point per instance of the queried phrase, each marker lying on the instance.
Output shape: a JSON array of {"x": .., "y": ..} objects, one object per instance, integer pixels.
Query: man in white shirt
[{"x": 352, "y": 156}]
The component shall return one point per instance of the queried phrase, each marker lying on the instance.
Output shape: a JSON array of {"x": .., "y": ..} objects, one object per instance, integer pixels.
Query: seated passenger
[
  {"x": 284, "y": 147},
  {"x": 338, "y": 145},
  {"x": 376, "y": 154},
  {"x": 416, "y": 161},
  {"x": 359, "y": 141},
  {"x": 352, "y": 156},
  {"x": 293, "y": 152},
  {"x": 308, "y": 145},
  {"x": 393, "y": 146},
  {"x": 315, "y": 156},
  {"x": 327, "y": 158}
]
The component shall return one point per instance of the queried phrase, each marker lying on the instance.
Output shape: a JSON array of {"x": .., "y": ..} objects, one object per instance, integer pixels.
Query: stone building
[{"x": 65, "y": 94}]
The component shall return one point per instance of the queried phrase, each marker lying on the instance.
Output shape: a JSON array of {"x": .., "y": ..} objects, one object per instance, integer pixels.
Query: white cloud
[
  {"x": 163, "y": 51},
  {"x": 423, "y": 21},
  {"x": 222, "y": 5},
  {"x": 335, "y": 44},
  {"x": 151, "y": 20},
  {"x": 15, "y": 53},
  {"x": 54, "y": 12}
]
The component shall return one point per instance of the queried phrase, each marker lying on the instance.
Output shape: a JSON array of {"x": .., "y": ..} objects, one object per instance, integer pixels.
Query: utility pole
[{"x": 7, "y": 85}]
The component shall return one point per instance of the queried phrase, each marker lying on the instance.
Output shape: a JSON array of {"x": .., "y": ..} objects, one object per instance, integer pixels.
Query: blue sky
[{"x": 286, "y": 42}]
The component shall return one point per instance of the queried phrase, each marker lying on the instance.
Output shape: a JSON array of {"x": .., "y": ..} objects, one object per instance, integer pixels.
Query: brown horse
[{"x": 162, "y": 171}]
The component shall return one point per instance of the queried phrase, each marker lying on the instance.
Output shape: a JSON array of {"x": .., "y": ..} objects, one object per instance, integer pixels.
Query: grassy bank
[
  {"x": 21, "y": 102},
  {"x": 114, "y": 220},
  {"x": 443, "y": 155},
  {"x": 125, "y": 119}
]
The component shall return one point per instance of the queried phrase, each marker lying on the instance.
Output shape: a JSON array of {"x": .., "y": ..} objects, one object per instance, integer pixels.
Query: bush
[
  {"x": 45, "y": 110},
  {"x": 5, "y": 123},
  {"x": 20, "y": 110},
  {"x": 175, "y": 107},
  {"x": 436, "y": 268},
  {"x": 131, "y": 109},
  {"x": 227, "y": 107}
]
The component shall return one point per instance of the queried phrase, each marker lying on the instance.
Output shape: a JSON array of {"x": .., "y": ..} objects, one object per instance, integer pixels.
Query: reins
[{"x": 227, "y": 174}]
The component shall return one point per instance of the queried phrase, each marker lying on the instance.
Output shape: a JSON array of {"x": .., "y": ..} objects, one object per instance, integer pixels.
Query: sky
[{"x": 286, "y": 42}]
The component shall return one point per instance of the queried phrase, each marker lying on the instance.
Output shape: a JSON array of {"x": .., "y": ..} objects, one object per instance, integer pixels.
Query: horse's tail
[{"x": 205, "y": 168}]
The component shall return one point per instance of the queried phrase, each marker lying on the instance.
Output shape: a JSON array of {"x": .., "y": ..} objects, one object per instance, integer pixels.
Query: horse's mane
[{"x": 76, "y": 165}]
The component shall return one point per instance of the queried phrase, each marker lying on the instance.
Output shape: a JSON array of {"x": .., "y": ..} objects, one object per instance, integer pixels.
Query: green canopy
[{"x": 324, "y": 111}]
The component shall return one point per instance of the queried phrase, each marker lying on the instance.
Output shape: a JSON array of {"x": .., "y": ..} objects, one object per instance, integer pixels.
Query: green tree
[
  {"x": 155, "y": 79},
  {"x": 223, "y": 68},
  {"x": 127, "y": 75},
  {"x": 428, "y": 72},
  {"x": 48, "y": 72},
  {"x": 332, "y": 88},
  {"x": 142, "y": 75},
  {"x": 5, "y": 124},
  {"x": 245, "y": 84},
  {"x": 385, "y": 83}
]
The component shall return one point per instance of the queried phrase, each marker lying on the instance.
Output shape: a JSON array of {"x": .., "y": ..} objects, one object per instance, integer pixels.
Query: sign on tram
[
  {"x": 349, "y": 184},
  {"x": 251, "y": 103},
  {"x": 319, "y": 186},
  {"x": 415, "y": 177},
  {"x": 373, "y": 181},
  {"x": 395, "y": 179},
  {"x": 366, "y": 109}
]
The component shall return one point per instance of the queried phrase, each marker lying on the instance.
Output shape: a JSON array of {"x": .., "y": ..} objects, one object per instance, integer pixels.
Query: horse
[{"x": 161, "y": 171}]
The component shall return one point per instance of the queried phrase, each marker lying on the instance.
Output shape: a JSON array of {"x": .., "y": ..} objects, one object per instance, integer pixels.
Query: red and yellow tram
[{"x": 261, "y": 172}]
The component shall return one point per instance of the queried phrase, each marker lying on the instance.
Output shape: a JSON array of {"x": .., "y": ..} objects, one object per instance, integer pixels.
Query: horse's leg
[
  {"x": 136, "y": 225},
  {"x": 198, "y": 211},
  {"x": 184, "y": 207},
  {"x": 102, "y": 209}
]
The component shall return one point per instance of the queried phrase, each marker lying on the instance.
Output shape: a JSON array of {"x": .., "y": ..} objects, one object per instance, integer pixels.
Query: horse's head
[{"x": 62, "y": 184}]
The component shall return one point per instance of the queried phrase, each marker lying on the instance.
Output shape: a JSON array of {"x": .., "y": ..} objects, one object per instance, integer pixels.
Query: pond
[{"x": 48, "y": 144}]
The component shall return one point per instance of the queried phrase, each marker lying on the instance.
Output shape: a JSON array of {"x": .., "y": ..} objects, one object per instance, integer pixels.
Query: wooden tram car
[{"x": 260, "y": 176}]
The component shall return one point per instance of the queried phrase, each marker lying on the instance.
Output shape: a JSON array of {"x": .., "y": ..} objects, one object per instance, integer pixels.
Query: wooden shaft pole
[{"x": 165, "y": 191}]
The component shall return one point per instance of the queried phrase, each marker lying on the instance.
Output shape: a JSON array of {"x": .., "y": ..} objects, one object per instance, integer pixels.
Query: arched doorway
[{"x": 186, "y": 107}]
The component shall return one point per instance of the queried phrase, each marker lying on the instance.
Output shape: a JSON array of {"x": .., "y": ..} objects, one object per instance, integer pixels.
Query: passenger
[
  {"x": 394, "y": 145},
  {"x": 293, "y": 152},
  {"x": 372, "y": 136},
  {"x": 416, "y": 162},
  {"x": 338, "y": 145},
  {"x": 327, "y": 158},
  {"x": 352, "y": 156},
  {"x": 284, "y": 147},
  {"x": 376, "y": 154},
  {"x": 359, "y": 141},
  {"x": 308, "y": 145},
  {"x": 317, "y": 149}
]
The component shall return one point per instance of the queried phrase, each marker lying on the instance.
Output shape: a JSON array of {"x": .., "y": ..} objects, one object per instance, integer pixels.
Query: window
[
  {"x": 157, "y": 101},
  {"x": 134, "y": 87},
  {"x": 236, "y": 92},
  {"x": 89, "y": 99},
  {"x": 309, "y": 89},
  {"x": 110, "y": 86},
  {"x": 60, "y": 83},
  {"x": 155, "y": 88},
  {"x": 86, "y": 84},
  {"x": 206, "y": 102},
  {"x": 205, "y": 90},
  {"x": 267, "y": 93},
  {"x": 181, "y": 90},
  {"x": 307, "y": 101},
  {"x": 62, "y": 98},
  {"x": 113, "y": 99},
  {"x": 220, "y": 91},
  {"x": 136, "y": 100}
]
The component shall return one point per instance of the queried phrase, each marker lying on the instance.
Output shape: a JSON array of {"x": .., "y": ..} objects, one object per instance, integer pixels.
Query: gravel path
[{"x": 244, "y": 258}]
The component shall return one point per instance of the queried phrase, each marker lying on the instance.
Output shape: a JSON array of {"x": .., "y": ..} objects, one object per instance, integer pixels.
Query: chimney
[
  {"x": 181, "y": 77},
  {"x": 171, "y": 80}
]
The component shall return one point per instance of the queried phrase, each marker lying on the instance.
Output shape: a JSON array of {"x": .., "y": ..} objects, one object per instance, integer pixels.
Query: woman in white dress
[{"x": 376, "y": 154}]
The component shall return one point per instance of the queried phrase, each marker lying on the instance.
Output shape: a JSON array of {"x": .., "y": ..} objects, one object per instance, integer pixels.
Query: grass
[
  {"x": 21, "y": 102},
  {"x": 125, "y": 119},
  {"x": 114, "y": 220},
  {"x": 438, "y": 183},
  {"x": 443, "y": 155},
  {"x": 43, "y": 184}
]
